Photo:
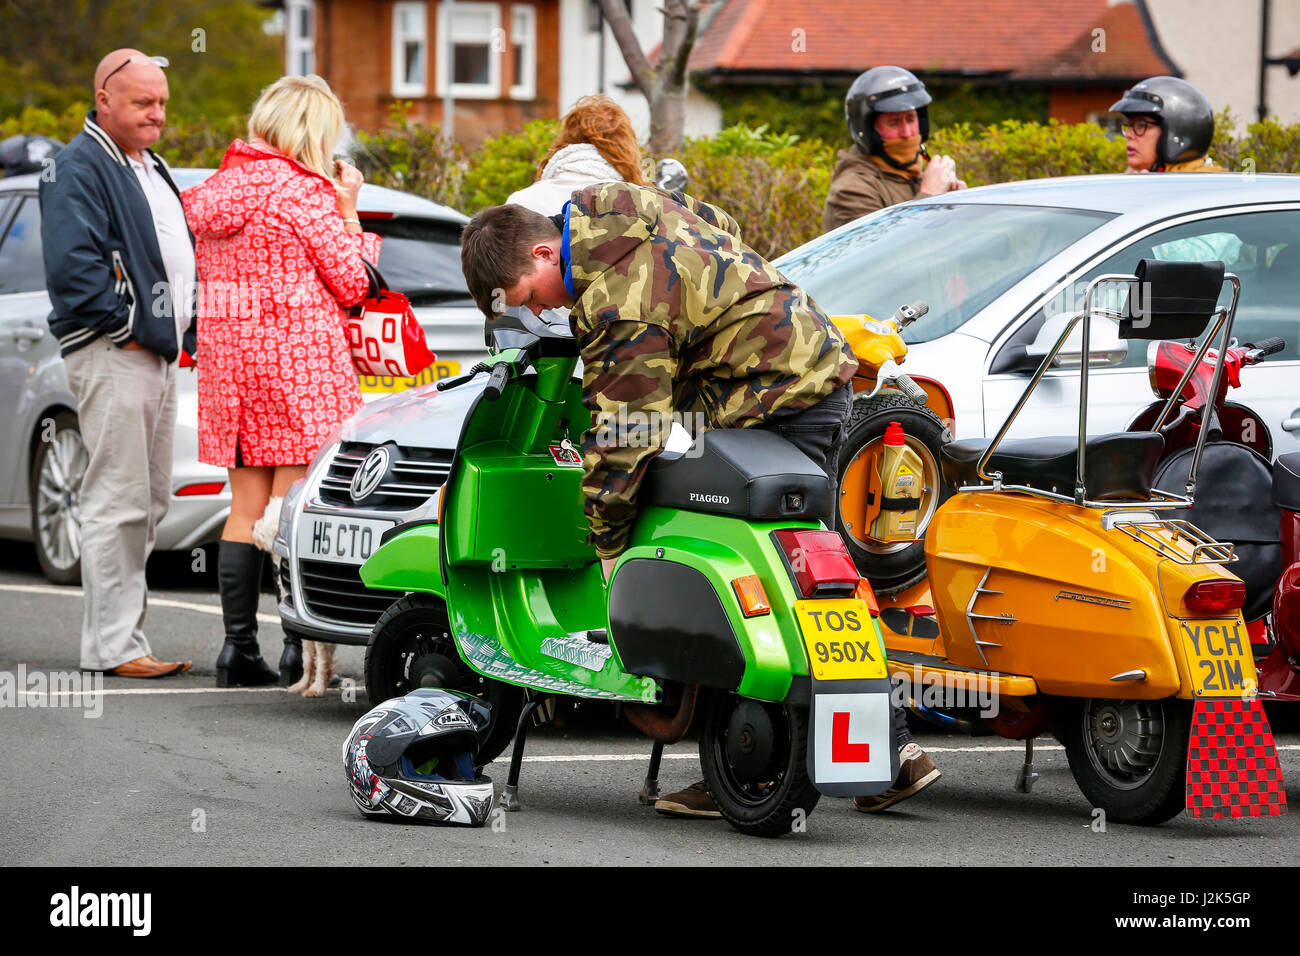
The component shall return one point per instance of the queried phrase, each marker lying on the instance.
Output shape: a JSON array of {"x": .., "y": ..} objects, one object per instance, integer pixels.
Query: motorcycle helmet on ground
[
  {"x": 1186, "y": 117},
  {"x": 412, "y": 757},
  {"x": 884, "y": 89}
]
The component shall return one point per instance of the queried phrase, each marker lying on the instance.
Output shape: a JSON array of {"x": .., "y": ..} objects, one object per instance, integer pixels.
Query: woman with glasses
[{"x": 1168, "y": 127}]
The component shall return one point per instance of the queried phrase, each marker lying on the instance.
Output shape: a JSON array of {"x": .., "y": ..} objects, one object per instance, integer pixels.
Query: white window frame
[
  {"x": 400, "y": 85},
  {"x": 471, "y": 91},
  {"x": 524, "y": 35},
  {"x": 295, "y": 44}
]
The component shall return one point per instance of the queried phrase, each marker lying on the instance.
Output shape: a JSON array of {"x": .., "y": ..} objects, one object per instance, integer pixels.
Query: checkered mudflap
[{"x": 1232, "y": 768}]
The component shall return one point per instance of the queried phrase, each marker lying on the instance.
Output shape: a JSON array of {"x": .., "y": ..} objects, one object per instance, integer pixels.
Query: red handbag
[{"x": 385, "y": 336}]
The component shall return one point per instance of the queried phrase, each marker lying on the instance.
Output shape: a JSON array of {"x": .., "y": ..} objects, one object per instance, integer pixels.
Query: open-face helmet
[
  {"x": 1186, "y": 117},
  {"x": 884, "y": 89},
  {"x": 412, "y": 757}
]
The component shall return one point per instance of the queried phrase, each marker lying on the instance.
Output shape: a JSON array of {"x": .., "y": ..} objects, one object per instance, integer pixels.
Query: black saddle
[
  {"x": 1116, "y": 466},
  {"x": 748, "y": 473},
  {"x": 1286, "y": 481}
]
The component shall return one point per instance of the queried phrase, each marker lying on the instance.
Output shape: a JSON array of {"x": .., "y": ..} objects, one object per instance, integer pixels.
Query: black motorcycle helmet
[
  {"x": 884, "y": 89},
  {"x": 26, "y": 153},
  {"x": 1186, "y": 118}
]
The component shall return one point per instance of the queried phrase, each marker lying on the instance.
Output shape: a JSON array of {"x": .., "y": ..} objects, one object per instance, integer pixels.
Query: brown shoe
[
  {"x": 149, "y": 666},
  {"x": 694, "y": 801},
  {"x": 916, "y": 771}
]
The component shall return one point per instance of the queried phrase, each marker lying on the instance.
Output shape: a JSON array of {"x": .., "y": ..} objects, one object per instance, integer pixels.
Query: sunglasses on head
[{"x": 160, "y": 61}]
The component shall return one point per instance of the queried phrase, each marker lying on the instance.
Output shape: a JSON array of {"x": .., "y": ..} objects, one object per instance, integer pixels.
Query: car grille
[
  {"x": 334, "y": 592},
  {"x": 413, "y": 477}
]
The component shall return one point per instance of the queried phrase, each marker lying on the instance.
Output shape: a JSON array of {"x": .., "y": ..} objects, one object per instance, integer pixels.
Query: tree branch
[
  {"x": 681, "y": 55},
  {"x": 621, "y": 26}
]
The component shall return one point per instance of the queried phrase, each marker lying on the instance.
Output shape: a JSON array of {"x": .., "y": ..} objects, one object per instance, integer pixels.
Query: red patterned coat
[{"x": 276, "y": 271}]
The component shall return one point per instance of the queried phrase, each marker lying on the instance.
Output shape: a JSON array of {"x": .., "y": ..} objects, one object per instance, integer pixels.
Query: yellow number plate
[
  {"x": 1219, "y": 657},
  {"x": 842, "y": 644},
  {"x": 387, "y": 383}
]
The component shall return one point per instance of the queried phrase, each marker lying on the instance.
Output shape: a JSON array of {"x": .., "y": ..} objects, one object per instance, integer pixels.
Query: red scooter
[{"x": 1241, "y": 495}]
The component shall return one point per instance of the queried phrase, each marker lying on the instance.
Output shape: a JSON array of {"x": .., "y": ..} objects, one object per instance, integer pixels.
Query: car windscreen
[
  {"x": 421, "y": 259},
  {"x": 957, "y": 258}
]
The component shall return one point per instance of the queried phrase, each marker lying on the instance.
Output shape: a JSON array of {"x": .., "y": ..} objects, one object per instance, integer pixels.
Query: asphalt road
[{"x": 176, "y": 772}]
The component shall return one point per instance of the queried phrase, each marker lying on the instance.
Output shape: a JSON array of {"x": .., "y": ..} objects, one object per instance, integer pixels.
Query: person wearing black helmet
[
  {"x": 1168, "y": 127},
  {"x": 887, "y": 109}
]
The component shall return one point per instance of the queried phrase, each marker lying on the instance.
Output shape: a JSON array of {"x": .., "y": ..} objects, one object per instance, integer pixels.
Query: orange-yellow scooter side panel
[{"x": 1053, "y": 595}]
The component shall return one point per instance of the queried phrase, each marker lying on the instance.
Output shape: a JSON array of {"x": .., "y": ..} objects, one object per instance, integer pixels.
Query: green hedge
[{"x": 773, "y": 182}]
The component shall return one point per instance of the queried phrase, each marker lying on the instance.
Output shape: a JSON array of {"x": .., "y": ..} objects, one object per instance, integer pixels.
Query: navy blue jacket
[{"x": 104, "y": 270}]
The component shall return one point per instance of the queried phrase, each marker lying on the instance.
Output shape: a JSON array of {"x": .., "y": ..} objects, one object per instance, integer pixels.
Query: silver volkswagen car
[{"x": 40, "y": 472}]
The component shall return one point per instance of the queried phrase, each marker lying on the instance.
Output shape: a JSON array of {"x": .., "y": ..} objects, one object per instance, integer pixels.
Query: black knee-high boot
[
  {"x": 291, "y": 660},
  {"x": 239, "y": 575}
]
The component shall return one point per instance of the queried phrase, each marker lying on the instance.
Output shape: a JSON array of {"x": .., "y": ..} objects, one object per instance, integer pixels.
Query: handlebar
[
  {"x": 1268, "y": 346},
  {"x": 909, "y": 388},
  {"x": 907, "y": 314},
  {"x": 497, "y": 381}
]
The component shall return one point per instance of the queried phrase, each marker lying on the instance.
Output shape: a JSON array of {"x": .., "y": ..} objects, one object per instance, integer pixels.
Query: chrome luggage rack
[{"x": 1205, "y": 550}]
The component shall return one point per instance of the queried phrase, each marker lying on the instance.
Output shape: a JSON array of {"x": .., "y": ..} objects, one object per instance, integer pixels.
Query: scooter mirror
[
  {"x": 1105, "y": 345},
  {"x": 678, "y": 444}
]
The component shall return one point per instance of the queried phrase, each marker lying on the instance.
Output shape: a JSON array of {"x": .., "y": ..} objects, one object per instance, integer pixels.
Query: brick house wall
[{"x": 354, "y": 53}]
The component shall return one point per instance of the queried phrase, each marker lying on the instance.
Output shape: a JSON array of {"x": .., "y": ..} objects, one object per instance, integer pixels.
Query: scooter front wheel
[
  {"x": 755, "y": 759},
  {"x": 1129, "y": 757},
  {"x": 411, "y": 647}
]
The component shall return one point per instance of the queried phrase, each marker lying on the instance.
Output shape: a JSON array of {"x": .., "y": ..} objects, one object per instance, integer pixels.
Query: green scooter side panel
[
  {"x": 407, "y": 562},
  {"x": 722, "y": 549},
  {"x": 529, "y": 627}
]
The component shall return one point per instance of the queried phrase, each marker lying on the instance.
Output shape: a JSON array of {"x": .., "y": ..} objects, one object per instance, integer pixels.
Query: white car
[
  {"x": 996, "y": 264},
  {"x": 41, "y": 470}
]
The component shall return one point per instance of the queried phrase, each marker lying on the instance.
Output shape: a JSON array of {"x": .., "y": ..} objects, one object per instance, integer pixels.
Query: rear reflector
[
  {"x": 203, "y": 488},
  {"x": 818, "y": 562},
  {"x": 864, "y": 593},
  {"x": 366, "y": 214},
  {"x": 752, "y": 597},
  {"x": 1215, "y": 597}
]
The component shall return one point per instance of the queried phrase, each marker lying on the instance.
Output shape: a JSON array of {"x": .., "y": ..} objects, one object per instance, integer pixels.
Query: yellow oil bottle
[{"x": 902, "y": 479}]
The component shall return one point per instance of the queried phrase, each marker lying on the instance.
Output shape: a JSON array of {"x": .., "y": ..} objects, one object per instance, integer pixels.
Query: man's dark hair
[{"x": 495, "y": 250}]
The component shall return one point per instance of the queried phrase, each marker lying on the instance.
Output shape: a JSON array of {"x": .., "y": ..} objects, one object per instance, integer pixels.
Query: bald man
[{"x": 119, "y": 269}]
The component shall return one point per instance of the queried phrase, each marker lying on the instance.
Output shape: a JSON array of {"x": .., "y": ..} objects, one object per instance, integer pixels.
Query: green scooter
[{"x": 733, "y": 602}]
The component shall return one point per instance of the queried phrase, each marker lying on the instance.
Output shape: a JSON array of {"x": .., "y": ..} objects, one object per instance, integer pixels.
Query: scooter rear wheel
[
  {"x": 755, "y": 760},
  {"x": 411, "y": 647},
  {"x": 1129, "y": 757}
]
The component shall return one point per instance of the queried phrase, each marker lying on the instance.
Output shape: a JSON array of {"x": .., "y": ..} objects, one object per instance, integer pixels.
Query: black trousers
[{"x": 819, "y": 432}]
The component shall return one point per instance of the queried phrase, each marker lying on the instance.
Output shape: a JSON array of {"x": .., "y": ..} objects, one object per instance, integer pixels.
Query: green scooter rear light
[{"x": 818, "y": 562}]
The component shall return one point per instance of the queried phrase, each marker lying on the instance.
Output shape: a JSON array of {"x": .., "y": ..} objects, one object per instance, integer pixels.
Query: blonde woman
[
  {"x": 596, "y": 144},
  {"x": 279, "y": 250}
]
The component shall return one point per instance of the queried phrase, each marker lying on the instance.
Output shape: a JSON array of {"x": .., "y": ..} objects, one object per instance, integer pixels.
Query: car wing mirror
[{"x": 1105, "y": 346}]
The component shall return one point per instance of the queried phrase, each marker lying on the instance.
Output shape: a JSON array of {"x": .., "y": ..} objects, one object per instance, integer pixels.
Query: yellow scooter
[{"x": 1064, "y": 600}]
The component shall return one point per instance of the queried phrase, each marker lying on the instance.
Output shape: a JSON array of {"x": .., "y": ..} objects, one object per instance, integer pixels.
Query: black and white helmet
[
  {"x": 413, "y": 757},
  {"x": 884, "y": 89},
  {"x": 1186, "y": 117}
]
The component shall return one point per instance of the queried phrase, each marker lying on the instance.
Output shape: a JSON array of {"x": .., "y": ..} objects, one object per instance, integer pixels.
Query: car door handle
[
  {"x": 28, "y": 333},
  {"x": 1291, "y": 425}
]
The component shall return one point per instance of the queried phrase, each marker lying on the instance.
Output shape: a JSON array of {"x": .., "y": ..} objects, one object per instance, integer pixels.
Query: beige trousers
[{"x": 127, "y": 411}]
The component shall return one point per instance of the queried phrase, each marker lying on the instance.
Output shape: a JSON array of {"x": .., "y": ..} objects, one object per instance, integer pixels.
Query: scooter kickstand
[
  {"x": 650, "y": 789},
  {"x": 509, "y": 799},
  {"x": 1027, "y": 775}
]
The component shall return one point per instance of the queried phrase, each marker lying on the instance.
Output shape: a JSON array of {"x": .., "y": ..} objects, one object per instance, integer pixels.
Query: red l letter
[{"x": 841, "y": 750}]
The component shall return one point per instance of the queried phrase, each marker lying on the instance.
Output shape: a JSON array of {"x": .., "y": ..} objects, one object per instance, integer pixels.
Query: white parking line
[{"x": 153, "y": 601}]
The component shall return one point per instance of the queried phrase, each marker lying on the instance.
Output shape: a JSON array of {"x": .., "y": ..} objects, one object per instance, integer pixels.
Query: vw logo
[{"x": 370, "y": 474}]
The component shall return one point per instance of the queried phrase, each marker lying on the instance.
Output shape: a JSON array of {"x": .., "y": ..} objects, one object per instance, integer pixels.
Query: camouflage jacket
[{"x": 677, "y": 318}]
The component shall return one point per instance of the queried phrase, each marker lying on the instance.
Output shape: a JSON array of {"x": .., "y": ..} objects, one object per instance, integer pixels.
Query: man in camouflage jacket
[{"x": 676, "y": 317}]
